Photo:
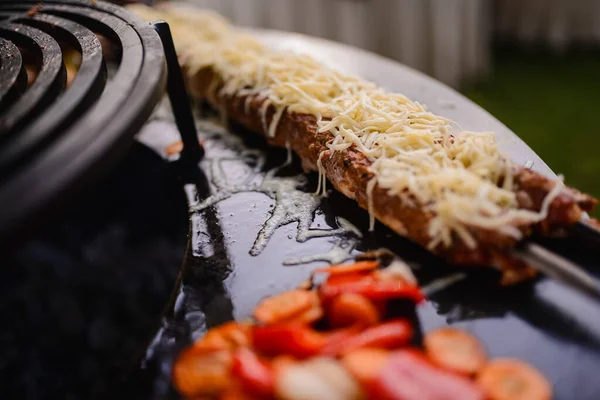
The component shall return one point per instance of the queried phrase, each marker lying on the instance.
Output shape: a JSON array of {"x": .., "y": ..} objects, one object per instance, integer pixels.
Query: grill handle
[{"x": 179, "y": 98}]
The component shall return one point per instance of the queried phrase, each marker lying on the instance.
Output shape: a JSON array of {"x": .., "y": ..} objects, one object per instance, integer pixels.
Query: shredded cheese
[{"x": 460, "y": 177}]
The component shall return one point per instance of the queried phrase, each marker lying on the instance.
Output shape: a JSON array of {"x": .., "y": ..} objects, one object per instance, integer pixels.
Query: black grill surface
[{"x": 81, "y": 299}]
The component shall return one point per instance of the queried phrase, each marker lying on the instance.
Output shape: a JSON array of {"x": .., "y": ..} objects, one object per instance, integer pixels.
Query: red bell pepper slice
[
  {"x": 389, "y": 335},
  {"x": 296, "y": 340},
  {"x": 409, "y": 376},
  {"x": 360, "y": 266},
  {"x": 255, "y": 376},
  {"x": 369, "y": 287}
]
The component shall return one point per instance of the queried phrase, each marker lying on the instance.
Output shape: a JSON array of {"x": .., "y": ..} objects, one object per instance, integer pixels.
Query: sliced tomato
[
  {"x": 296, "y": 340},
  {"x": 369, "y": 287},
  {"x": 231, "y": 336},
  {"x": 388, "y": 335}
]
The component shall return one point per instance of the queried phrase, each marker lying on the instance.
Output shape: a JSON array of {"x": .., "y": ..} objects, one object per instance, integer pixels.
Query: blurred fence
[
  {"x": 555, "y": 23},
  {"x": 448, "y": 39}
]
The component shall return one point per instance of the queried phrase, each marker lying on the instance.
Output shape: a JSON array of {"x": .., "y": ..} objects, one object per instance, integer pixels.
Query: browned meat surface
[{"x": 349, "y": 173}]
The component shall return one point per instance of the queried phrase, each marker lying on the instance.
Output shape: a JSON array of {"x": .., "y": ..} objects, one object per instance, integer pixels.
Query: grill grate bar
[
  {"x": 49, "y": 83},
  {"x": 13, "y": 77},
  {"x": 85, "y": 89}
]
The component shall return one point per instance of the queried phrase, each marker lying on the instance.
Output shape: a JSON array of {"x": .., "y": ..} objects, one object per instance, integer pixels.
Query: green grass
[{"x": 553, "y": 103}]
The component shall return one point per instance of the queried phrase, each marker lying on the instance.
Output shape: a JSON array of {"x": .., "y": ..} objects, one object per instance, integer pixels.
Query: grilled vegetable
[
  {"x": 255, "y": 376},
  {"x": 388, "y": 335},
  {"x": 296, "y": 340},
  {"x": 352, "y": 353},
  {"x": 455, "y": 350},
  {"x": 507, "y": 379},
  {"x": 408, "y": 376},
  {"x": 370, "y": 287},
  {"x": 294, "y": 306},
  {"x": 352, "y": 309},
  {"x": 199, "y": 372}
]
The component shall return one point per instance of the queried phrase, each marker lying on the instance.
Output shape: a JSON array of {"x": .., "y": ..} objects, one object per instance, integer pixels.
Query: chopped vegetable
[
  {"x": 296, "y": 340},
  {"x": 333, "y": 343},
  {"x": 256, "y": 377},
  {"x": 365, "y": 364},
  {"x": 202, "y": 373},
  {"x": 388, "y": 335},
  {"x": 361, "y": 266},
  {"x": 352, "y": 309},
  {"x": 231, "y": 335},
  {"x": 408, "y": 376},
  {"x": 508, "y": 379},
  {"x": 368, "y": 286},
  {"x": 455, "y": 351},
  {"x": 301, "y": 305},
  {"x": 234, "y": 391}
]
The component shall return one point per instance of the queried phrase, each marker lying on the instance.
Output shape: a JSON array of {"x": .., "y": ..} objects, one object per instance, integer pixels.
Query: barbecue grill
[
  {"x": 61, "y": 132},
  {"x": 66, "y": 148}
]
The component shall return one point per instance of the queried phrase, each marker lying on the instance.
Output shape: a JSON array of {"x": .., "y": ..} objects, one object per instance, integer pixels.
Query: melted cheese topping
[{"x": 460, "y": 177}]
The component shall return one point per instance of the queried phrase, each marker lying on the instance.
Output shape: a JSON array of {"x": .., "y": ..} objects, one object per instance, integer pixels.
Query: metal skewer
[{"x": 560, "y": 269}]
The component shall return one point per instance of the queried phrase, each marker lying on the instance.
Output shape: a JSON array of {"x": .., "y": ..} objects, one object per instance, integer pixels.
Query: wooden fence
[{"x": 448, "y": 39}]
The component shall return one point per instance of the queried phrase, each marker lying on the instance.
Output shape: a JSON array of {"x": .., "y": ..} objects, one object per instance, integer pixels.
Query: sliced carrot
[
  {"x": 365, "y": 364},
  {"x": 229, "y": 336},
  {"x": 236, "y": 392},
  {"x": 361, "y": 266},
  {"x": 286, "y": 306},
  {"x": 350, "y": 309},
  {"x": 307, "y": 317},
  {"x": 455, "y": 350},
  {"x": 508, "y": 379},
  {"x": 202, "y": 373}
]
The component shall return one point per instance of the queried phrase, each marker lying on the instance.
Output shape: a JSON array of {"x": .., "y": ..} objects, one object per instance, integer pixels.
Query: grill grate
[{"x": 62, "y": 123}]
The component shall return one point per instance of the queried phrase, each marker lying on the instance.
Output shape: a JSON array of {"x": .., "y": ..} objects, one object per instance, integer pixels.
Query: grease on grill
[{"x": 292, "y": 202}]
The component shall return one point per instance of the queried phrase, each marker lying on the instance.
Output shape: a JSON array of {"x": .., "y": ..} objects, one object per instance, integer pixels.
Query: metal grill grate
[{"x": 61, "y": 122}]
